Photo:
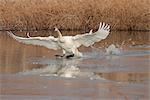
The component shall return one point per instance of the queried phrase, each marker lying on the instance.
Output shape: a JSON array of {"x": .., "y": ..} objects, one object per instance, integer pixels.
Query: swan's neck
[
  {"x": 60, "y": 37},
  {"x": 59, "y": 34}
]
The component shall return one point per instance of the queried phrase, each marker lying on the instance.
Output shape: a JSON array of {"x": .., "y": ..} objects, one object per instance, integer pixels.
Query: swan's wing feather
[
  {"x": 48, "y": 42},
  {"x": 89, "y": 39}
]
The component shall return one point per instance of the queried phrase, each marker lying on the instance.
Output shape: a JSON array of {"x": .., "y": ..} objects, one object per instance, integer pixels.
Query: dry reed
[{"x": 74, "y": 14}]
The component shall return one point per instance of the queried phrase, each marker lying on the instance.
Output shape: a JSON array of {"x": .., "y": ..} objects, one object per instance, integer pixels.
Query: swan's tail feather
[
  {"x": 103, "y": 26},
  {"x": 11, "y": 34},
  {"x": 103, "y": 30},
  {"x": 91, "y": 31},
  {"x": 28, "y": 35}
]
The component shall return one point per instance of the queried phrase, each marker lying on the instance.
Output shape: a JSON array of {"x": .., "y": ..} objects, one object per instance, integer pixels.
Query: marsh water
[{"x": 30, "y": 72}]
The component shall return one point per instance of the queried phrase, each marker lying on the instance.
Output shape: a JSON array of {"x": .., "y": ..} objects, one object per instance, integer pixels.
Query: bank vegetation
[{"x": 74, "y": 14}]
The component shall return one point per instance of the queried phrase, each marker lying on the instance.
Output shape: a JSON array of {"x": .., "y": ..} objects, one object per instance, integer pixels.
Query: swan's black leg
[
  {"x": 69, "y": 56},
  {"x": 60, "y": 55},
  {"x": 63, "y": 55}
]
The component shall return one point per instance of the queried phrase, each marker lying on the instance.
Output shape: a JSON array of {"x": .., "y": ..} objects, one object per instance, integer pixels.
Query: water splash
[{"x": 112, "y": 50}]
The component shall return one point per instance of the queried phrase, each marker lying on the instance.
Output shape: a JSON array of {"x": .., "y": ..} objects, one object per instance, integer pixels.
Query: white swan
[{"x": 68, "y": 44}]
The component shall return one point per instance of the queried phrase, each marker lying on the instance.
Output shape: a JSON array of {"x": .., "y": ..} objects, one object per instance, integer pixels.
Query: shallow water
[{"x": 33, "y": 72}]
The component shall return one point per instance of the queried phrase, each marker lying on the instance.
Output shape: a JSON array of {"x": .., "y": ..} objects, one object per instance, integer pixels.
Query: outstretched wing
[
  {"x": 48, "y": 42},
  {"x": 89, "y": 39}
]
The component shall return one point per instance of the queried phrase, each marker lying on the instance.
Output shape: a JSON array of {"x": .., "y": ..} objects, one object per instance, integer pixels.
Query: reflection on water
[
  {"x": 121, "y": 62},
  {"x": 62, "y": 68}
]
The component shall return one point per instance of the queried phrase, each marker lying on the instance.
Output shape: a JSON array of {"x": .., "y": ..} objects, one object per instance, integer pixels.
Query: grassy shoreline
[{"x": 74, "y": 14}]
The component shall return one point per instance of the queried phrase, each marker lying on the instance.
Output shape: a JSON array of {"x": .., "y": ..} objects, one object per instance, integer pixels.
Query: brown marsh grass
[{"x": 74, "y": 14}]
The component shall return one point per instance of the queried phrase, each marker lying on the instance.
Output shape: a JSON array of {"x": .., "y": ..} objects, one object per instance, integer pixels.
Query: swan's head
[
  {"x": 59, "y": 33},
  {"x": 56, "y": 29}
]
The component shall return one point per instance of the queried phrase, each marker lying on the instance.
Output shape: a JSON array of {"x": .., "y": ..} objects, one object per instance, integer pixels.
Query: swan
[{"x": 68, "y": 44}]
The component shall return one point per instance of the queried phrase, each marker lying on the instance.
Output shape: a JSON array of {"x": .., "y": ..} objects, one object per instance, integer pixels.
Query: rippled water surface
[{"x": 33, "y": 73}]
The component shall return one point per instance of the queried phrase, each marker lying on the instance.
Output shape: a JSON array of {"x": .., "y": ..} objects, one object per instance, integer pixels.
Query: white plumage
[{"x": 68, "y": 44}]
